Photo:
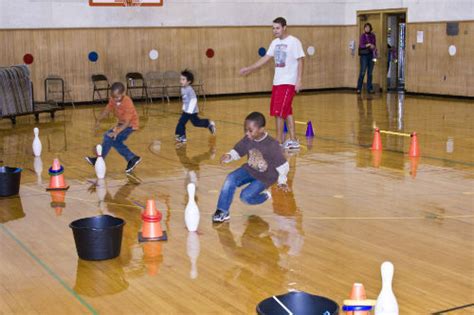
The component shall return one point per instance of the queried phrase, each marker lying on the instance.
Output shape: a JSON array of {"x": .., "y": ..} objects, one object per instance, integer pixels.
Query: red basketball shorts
[{"x": 282, "y": 98}]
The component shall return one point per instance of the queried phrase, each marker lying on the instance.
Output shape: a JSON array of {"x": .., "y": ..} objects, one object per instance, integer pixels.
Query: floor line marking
[{"x": 453, "y": 309}]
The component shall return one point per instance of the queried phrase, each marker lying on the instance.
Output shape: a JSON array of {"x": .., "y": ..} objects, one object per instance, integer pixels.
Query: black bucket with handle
[{"x": 99, "y": 237}]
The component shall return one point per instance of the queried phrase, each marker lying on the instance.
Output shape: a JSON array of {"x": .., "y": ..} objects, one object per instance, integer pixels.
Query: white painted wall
[
  {"x": 77, "y": 13},
  {"x": 418, "y": 10}
]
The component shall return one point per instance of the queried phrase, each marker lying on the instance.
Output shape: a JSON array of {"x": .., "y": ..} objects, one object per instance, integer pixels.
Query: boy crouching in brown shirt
[{"x": 265, "y": 166}]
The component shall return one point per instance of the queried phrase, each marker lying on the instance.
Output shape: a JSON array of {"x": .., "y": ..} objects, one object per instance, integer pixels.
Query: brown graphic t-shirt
[{"x": 264, "y": 156}]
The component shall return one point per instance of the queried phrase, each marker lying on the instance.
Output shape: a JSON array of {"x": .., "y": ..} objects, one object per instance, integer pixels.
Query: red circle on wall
[
  {"x": 28, "y": 59},
  {"x": 210, "y": 53}
]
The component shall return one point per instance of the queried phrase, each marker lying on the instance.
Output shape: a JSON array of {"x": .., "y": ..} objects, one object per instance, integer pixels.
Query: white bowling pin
[
  {"x": 100, "y": 163},
  {"x": 191, "y": 213},
  {"x": 37, "y": 147},
  {"x": 38, "y": 166},
  {"x": 192, "y": 249},
  {"x": 386, "y": 301}
]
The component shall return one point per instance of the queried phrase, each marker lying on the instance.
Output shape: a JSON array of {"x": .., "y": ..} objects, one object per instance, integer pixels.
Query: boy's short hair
[
  {"x": 117, "y": 87},
  {"x": 188, "y": 75},
  {"x": 280, "y": 20},
  {"x": 257, "y": 118}
]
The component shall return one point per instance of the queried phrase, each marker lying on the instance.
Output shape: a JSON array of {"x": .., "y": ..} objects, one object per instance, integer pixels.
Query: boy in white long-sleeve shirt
[
  {"x": 190, "y": 109},
  {"x": 265, "y": 166}
]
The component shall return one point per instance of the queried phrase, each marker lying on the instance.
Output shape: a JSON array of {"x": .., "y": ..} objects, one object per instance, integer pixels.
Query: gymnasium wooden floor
[{"x": 349, "y": 211}]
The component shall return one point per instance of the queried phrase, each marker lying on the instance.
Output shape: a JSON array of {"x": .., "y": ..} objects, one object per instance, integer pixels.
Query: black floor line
[{"x": 453, "y": 309}]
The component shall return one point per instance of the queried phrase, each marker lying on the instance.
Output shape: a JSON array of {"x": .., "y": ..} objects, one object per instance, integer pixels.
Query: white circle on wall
[
  {"x": 452, "y": 50},
  {"x": 153, "y": 54},
  {"x": 310, "y": 50}
]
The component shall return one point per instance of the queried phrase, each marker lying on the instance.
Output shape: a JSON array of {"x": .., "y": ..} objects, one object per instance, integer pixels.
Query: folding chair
[
  {"x": 155, "y": 84},
  {"x": 136, "y": 81},
  {"x": 101, "y": 83},
  {"x": 172, "y": 85}
]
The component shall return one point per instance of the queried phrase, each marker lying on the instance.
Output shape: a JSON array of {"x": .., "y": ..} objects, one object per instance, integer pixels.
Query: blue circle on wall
[
  {"x": 93, "y": 56},
  {"x": 262, "y": 51}
]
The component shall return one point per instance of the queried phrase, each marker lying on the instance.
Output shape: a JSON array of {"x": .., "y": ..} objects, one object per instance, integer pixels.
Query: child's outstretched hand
[
  {"x": 226, "y": 158},
  {"x": 284, "y": 187},
  {"x": 245, "y": 71}
]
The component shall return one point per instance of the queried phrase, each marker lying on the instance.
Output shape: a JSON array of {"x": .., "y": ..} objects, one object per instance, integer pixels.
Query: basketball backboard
[{"x": 125, "y": 3}]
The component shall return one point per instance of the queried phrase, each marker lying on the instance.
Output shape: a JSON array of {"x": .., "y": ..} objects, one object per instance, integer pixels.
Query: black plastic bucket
[
  {"x": 298, "y": 303},
  {"x": 98, "y": 238},
  {"x": 9, "y": 181}
]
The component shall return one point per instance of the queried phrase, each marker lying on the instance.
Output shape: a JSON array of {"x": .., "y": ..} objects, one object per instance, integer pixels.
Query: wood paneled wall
[
  {"x": 431, "y": 69},
  {"x": 64, "y": 52}
]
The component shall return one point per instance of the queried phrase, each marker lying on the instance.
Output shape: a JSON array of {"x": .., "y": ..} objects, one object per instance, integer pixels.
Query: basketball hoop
[
  {"x": 126, "y": 3},
  {"x": 132, "y": 3}
]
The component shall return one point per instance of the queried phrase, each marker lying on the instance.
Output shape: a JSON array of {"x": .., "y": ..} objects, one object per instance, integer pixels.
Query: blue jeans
[
  {"x": 366, "y": 64},
  {"x": 252, "y": 194},
  {"x": 118, "y": 144},
  {"x": 195, "y": 120}
]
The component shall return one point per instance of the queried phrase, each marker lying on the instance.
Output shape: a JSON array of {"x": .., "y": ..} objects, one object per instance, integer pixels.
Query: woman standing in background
[{"x": 367, "y": 49}]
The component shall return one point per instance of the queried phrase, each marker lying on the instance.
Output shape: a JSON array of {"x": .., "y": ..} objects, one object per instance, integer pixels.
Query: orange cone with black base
[
  {"x": 377, "y": 143},
  {"x": 414, "y": 149},
  {"x": 151, "y": 228},
  {"x": 56, "y": 181}
]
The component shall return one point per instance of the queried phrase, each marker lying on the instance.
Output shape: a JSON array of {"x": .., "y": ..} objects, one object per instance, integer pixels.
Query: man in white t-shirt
[{"x": 288, "y": 54}]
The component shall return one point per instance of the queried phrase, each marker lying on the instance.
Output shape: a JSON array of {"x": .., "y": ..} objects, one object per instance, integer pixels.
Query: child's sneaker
[
  {"x": 285, "y": 144},
  {"x": 220, "y": 216},
  {"x": 90, "y": 160},
  {"x": 132, "y": 164},
  {"x": 293, "y": 145},
  {"x": 181, "y": 139},
  {"x": 212, "y": 127},
  {"x": 269, "y": 195}
]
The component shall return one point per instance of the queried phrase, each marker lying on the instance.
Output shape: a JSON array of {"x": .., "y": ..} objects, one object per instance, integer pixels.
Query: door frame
[{"x": 381, "y": 39}]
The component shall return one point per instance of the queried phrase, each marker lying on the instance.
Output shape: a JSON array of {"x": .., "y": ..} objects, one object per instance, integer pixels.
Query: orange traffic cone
[
  {"x": 358, "y": 293},
  {"x": 414, "y": 149},
  {"x": 151, "y": 228},
  {"x": 56, "y": 181},
  {"x": 377, "y": 143},
  {"x": 152, "y": 257},
  {"x": 57, "y": 201}
]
